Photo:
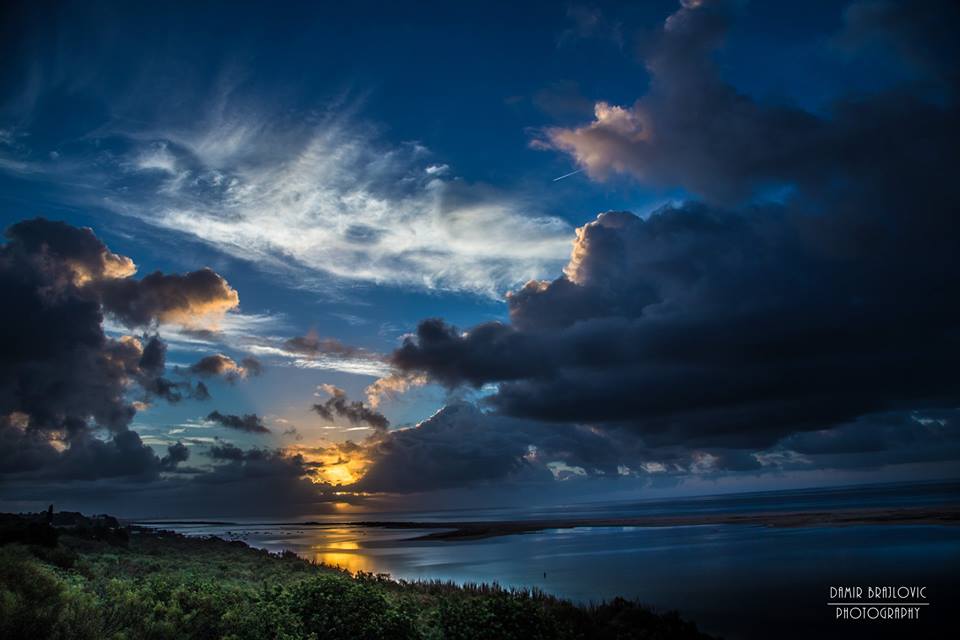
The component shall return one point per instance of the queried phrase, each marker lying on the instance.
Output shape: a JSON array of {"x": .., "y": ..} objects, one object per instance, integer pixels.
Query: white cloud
[
  {"x": 157, "y": 158},
  {"x": 328, "y": 200}
]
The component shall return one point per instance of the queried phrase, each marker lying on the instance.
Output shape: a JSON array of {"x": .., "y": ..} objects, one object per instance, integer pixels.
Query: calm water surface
[{"x": 734, "y": 580}]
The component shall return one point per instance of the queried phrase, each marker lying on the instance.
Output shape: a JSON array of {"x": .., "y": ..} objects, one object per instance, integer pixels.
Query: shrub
[
  {"x": 35, "y": 603},
  {"x": 499, "y": 615},
  {"x": 333, "y": 607}
]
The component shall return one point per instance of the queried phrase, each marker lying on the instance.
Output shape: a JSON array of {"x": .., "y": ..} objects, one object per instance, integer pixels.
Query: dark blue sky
[{"x": 354, "y": 168}]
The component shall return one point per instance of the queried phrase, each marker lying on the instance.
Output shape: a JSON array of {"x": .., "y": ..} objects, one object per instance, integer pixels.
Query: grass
[{"x": 120, "y": 584}]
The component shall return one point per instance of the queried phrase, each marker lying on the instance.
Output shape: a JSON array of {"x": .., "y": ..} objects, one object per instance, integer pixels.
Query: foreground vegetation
[{"x": 93, "y": 579}]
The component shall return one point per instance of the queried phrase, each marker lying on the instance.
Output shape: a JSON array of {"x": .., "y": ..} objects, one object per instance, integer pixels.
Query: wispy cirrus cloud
[
  {"x": 323, "y": 201},
  {"x": 304, "y": 215}
]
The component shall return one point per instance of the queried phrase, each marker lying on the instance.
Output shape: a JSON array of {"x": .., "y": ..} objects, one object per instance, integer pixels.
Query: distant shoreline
[{"x": 467, "y": 530}]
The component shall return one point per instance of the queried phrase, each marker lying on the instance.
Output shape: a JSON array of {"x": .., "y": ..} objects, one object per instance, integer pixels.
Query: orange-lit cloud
[{"x": 391, "y": 386}]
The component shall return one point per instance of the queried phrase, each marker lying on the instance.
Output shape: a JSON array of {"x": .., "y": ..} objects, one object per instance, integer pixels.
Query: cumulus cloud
[
  {"x": 219, "y": 364},
  {"x": 250, "y": 422},
  {"x": 355, "y": 412},
  {"x": 149, "y": 375},
  {"x": 391, "y": 386},
  {"x": 62, "y": 378},
  {"x": 192, "y": 299},
  {"x": 921, "y": 36},
  {"x": 877, "y": 440},
  {"x": 461, "y": 446},
  {"x": 695, "y": 131},
  {"x": 237, "y": 482},
  {"x": 737, "y": 321},
  {"x": 176, "y": 453}
]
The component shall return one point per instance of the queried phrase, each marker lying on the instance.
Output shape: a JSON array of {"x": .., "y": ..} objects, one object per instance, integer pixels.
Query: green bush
[
  {"x": 36, "y": 603},
  {"x": 167, "y": 587},
  {"x": 334, "y": 607},
  {"x": 500, "y": 615}
]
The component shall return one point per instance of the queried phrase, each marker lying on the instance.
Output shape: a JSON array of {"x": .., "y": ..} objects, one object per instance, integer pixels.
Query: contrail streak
[{"x": 567, "y": 175}]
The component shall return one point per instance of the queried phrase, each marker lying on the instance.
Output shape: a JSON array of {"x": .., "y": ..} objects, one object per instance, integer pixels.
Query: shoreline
[{"x": 475, "y": 530}]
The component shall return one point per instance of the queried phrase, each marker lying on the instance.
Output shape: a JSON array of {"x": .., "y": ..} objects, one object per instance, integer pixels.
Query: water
[{"x": 739, "y": 581}]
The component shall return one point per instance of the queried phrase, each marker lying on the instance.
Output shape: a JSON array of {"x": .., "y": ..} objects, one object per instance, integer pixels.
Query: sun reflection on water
[
  {"x": 339, "y": 547},
  {"x": 352, "y": 562}
]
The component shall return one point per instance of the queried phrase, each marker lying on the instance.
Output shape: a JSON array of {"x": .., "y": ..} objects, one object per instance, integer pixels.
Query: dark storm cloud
[
  {"x": 256, "y": 464},
  {"x": 152, "y": 364},
  {"x": 154, "y": 356},
  {"x": 66, "y": 253},
  {"x": 226, "y": 451},
  {"x": 61, "y": 377},
  {"x": 24, "y": 450},
  {"x": 355, "y": 412},
  {"x": 124, "y": 455},
  {"x": 921, "y": 34},
  {"x": 176, "y": 453},
  {"x": 221, "y": 365},
  {"x": 250, "y": 422},
  {"x": 724, "y": 325},
  {"x": 883, "y": 439},
  {"x": 461, "y": 446},
  {"x": 58, "y": 368},
  {"x": 255, "y": 482},
  {"x": 695, "y": 131}
]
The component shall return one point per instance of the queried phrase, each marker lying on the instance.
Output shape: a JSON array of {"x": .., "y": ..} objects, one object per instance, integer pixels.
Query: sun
[{"x": 332, "y": 467}]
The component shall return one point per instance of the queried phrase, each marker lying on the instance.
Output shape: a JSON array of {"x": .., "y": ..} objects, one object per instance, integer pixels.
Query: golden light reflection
[
  {"x": 346, "y": 545},
  {"x": 341, "y": 549},
  {"x": 350, "y": 561}
]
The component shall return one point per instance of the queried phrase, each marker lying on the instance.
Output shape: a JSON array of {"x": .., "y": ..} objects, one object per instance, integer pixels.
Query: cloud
[
  {"x": 192, "y": 299},
  {"x": 460, "y": 446},
  {"x": 219, "y": 364},
  {"x": 313, "y": 345},
  {"x": 920, "y": 36},
  {"x": 66, "y": 254},
  {"x": 739, "y": 320},
  {"x": 250, "y": 422},
  {"x": 391, "y": 386},
  {"x": 255, "y": 482},
  {"x": 328, "y": 203},
  {"x": 878, "y": 440},
  {"x": 176, "y": 453},
  {"x": 355, "y": 412},
  {"x": 152, "y": 365},
  {"x": 313, "y": 352},
  {"x": 226, "y": 451},
  {"x": 695, "y": 131},
  {"x": 62, "y": 378}
]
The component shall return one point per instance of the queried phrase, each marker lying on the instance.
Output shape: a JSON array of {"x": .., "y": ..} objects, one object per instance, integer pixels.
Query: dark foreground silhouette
[{"x": 70, "y": 576}]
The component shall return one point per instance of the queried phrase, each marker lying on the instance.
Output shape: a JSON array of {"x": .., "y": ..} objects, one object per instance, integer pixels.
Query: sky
[{"x": 294, "y": 259}]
